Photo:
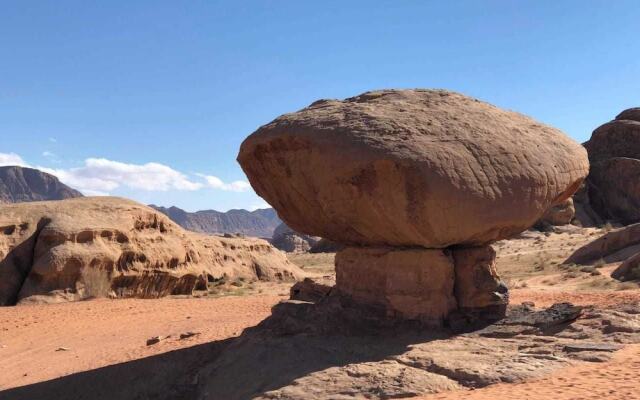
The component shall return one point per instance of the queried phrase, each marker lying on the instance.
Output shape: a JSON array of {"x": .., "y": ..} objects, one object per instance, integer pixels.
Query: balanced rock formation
[
  {"x": 20, "y": 184},
  {"x": 403, "y": 176},
  {"x": 286, "y": 239},
  {"x": 423, "y": 168},
  {"x": 614, "y": 154},
  {"x": 48, "y": 248}
]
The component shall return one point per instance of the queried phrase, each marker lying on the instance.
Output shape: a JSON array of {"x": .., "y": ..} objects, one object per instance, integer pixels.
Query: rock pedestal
[{"x": 421, "y": 284}]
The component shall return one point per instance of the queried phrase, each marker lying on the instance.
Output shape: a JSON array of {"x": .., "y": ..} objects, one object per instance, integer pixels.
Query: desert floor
[{"x": 44, "y": 342}]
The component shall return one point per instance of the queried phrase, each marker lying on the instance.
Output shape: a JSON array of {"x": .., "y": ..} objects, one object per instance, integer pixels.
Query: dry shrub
[
  {"x": 96, "y": 282},
  {"x": 600, "y": 263}
]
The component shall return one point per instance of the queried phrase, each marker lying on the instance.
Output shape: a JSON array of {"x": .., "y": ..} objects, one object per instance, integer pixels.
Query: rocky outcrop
[
  {"x": 20, "y": 184},
  {"x": 286, "y": 239},
  {"x": 585, "y": 215},
  {"x": 559, "y": 214},
  {"x": 259, "y": 223},
  {"x": 46, "y": 249},
  {"x": 425, "y": 168},
  {"x": 325, "y": 246},
  {"x": 629, "y": 270},
  {"x": 303, "y": 346},
  {"x": 415, "y": 184},
  {"x": 614, "y": 153},
  {"x": 614, "y": 246}
]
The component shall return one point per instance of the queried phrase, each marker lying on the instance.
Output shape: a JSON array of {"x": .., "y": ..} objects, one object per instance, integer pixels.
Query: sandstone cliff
[{"x": 46, "y": 248}]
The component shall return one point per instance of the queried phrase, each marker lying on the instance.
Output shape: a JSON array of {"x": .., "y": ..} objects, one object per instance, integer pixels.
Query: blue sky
[{"x": 151, "y": 99}]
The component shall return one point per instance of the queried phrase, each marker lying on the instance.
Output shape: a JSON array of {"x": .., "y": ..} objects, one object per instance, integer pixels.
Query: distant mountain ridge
[
  {"x": 258, "y": 223},
  {"x": 21, "y": 184}
]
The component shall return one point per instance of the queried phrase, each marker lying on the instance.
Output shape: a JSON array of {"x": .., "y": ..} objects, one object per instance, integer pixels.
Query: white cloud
[
  {"x": 103, "y": 176},
  {"x": 11, "y": 159},
  {"x": 216, "y": 183},
  {"x": 53, "y": 157},
  {"x": 100, "y": 176}
]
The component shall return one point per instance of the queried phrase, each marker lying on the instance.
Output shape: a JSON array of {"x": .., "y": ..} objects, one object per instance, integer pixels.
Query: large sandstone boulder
[
  {"x": 425, "y": 168},
  {"x": 46, "y": 248},
  {"x": 614, "y": 246},
  {"x": 614, "y": 153}
]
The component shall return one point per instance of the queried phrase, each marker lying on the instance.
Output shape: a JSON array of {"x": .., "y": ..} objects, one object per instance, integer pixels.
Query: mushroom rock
[
  {"x": 405, "y": 178},
  {"x": 425, "y": 168}
]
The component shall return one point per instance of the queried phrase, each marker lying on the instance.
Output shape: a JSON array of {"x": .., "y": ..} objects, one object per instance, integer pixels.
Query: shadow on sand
[{"x": 293, "y": 342}]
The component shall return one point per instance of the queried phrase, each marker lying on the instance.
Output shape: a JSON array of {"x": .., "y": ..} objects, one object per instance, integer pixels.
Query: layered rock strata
[{"x": 68, "y": 249}]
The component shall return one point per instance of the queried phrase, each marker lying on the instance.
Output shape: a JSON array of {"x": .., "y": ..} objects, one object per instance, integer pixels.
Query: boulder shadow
[{"x": 298, "y": 339}]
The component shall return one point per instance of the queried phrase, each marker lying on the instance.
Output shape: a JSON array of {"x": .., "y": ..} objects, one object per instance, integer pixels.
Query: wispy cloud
[
  {"x": 216, "y": 183},
  {"x": 11, "y": 159},
  {"x": 100, "y": 176}
]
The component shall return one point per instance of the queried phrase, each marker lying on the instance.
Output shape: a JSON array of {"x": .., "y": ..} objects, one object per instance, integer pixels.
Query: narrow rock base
[{"x": 427, "y": 285}]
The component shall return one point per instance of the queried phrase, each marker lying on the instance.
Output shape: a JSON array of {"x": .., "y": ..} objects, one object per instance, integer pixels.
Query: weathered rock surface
[
  {"x": 310, "y": 351},
  {"x": 326, "y": 246},
  {"x": 629, "y": 270},
  {"x": 309, "y": 290},
  {"x": 614, "y": 153},
  {"x": 478, "y": 285},
  {"x": 426, "y": 285},
  {"x": 286, "y": 239},
  {"x": 615, "y": 188},
  {"x": 425, "y": 168},
  {"x": 414, "y": 284},
  {"x": 20, "y": 184},
  {"x": 559, "y": 214},
  {"x": 46, "y": 248},
  {"x": 585, "y": 215},
  {"x": 617, "y": 245}
]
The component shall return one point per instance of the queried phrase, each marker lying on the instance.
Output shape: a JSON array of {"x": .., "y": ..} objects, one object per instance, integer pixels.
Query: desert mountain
[
  {"x": 19, "y": 184},
  {"x": 258, "y": 223}
]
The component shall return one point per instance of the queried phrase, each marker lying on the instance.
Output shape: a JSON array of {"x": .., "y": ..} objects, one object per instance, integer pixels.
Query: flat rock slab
[
  {"x": 319, "y": 351},
  {"x": 579, "y": 347}
]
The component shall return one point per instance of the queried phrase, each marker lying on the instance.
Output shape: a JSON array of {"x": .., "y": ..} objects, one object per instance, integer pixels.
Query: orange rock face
[
  {"x": 614, "y": 153},
  {"x": 424, "y": 168},
  {"x": 421, "y": 284},
  {"x": 410, "y": 284},
  {"x": 46, "y": 249},
  {"x": 478, "y": 285}
]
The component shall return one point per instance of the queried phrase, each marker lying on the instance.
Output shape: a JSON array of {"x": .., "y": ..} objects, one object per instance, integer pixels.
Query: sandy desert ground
[{"x": 44, "y": 342}]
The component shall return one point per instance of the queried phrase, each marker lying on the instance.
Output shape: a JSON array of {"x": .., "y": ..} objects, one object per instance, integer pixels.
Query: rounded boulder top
[
  {"x": 617, "y": 138},
  {"x": 427, "y": 168}
]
